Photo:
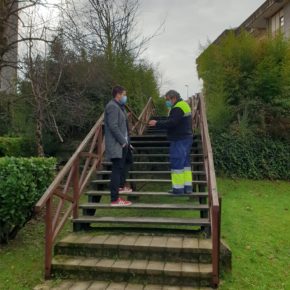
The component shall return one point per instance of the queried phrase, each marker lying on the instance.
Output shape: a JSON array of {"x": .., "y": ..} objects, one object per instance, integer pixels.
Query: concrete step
[
  {"x": 143, "y": 221},
  {"x": 127, "y": 270},
  {"x": 174, "y": 248},
  {"x": 105, "y": 285}
]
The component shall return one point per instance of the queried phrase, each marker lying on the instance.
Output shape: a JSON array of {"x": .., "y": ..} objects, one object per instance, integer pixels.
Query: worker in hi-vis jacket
[{"x": 180, "y": 135}]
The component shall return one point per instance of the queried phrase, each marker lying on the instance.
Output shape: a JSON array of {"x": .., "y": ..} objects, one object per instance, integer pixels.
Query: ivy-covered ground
[{"x": 256, "y": 218}]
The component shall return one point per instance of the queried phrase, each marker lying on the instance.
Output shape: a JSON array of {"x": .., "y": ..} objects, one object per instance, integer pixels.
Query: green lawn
[
  {"x": 256, "y": 221},
  {"x": 256, "y": 225}
]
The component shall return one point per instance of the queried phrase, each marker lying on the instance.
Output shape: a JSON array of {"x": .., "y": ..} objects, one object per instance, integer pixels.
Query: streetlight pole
[{"x": 187, "y": 90}]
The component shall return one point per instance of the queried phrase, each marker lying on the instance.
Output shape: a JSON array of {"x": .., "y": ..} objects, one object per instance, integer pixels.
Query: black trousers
[{"x": 120, "y": 169}]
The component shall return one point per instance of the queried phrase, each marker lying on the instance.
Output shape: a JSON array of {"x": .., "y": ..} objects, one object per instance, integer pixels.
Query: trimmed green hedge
[
  {"x": 22, "y": 183},
  {"x": 251, "y": 157},
  {"x": 16, "y": 146}
]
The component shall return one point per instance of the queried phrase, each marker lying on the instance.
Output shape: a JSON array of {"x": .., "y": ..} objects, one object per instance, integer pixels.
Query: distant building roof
[{"x": 257, "y": 21}]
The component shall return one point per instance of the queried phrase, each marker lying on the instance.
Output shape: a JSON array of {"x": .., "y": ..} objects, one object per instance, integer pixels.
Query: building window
[
  {"x": 282, "y": 21},
  {"x": 277, "y": 22}
]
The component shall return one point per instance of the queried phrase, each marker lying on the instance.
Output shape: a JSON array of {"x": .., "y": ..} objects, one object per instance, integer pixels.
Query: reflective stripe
[
  {"x": 177, "y": 171},
  {"x": 177, "y": 178},
  {"x": 184, "y": 107},
  {"x": 187, "y": 168},
  {"x": 188, "y": 183},
  {"x": 178, "y": 186},
  {"x": 188, "y": 177}
]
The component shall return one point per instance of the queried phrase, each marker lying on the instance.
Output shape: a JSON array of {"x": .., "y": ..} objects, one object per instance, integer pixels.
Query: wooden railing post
[
  {"x": 48, "y": 238},
  {"x": 100, "y": 143},
  {"x": 76, "y": 187},
  {"x": 216, "y": 244}
]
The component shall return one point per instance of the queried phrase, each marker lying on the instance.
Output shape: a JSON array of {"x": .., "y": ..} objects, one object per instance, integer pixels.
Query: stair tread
[
  {"x": 148, "y": 206},
  {"x": 135, "y": 240},
  {"x": 106, "y": 285},
  {"x": 134, "y": 193},
  {"x": 149, "y": 136},
  {"x": 144, "y": 220},
  {"x": 101, "y": 181},
  {"x": 155, "y": 163},
  {"x": 162, "y": 155},
  {"x": 157, "y": 141},
  {"x": 147, "y": 172},
  {"x": 159, "y": 147},
  {"x": 112, "y": 265}
]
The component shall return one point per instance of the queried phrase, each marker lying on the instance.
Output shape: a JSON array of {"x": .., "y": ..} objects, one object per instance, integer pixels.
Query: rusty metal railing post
[{"x": 48, "y": 238}]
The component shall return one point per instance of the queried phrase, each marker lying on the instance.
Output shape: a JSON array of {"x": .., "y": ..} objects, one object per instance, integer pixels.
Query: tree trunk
[{"x": 38, "y": 132}]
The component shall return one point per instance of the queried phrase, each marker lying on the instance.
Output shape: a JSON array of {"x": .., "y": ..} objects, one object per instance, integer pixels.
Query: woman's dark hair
[{"x": 117, "y": 90}]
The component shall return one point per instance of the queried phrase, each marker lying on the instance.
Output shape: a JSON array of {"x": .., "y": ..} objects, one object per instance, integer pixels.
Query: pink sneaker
[
  {"x": 125, "y": 190},
  {"x": 121, "y": 202}
]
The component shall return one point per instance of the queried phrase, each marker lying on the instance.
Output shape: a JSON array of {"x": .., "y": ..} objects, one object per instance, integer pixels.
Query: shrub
[
  {"x": 22, "y": 182},
  {"x": 251, "y": 157},
  {"x": 246, "y": 84},
  {"x": 16, "y": 146},
  {"x": 10, "y": 146}
]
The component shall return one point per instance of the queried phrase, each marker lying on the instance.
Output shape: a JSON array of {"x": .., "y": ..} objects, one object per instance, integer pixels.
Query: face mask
[
  {"x": 168, "y": 104},
  {"x": 124, "y": 99}
]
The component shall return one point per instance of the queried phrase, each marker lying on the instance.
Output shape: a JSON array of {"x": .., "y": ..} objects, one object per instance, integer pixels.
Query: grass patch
[
  {"x": 256, "y": 218},
  {"x": 22, "y": 260},
  {"x": 255, "y": 224}
]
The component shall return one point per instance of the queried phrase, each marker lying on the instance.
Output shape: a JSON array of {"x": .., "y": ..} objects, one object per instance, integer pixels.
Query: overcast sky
[{"x": 189, "y": 23}]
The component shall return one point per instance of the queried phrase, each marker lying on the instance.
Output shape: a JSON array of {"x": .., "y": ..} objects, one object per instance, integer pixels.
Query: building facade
[
  {"x": 272, "y": 17},
  {"x": 8, "y": 65}
]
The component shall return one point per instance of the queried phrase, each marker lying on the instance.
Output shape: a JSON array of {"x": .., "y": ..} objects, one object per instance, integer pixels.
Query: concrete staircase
[{"x": 139, "y": 259}]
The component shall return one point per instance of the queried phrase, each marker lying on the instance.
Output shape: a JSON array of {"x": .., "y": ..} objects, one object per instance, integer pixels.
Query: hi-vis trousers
[{"x": 180, "y": 160}]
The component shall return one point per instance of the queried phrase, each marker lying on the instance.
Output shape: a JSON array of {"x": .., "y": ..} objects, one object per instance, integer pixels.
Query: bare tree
[{"x": 107, "y": 27}]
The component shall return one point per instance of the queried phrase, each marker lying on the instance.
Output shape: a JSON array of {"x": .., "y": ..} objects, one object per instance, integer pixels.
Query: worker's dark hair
[
  {"x": 172, "y": 93},
  {"x": 117, "y": 90}
]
